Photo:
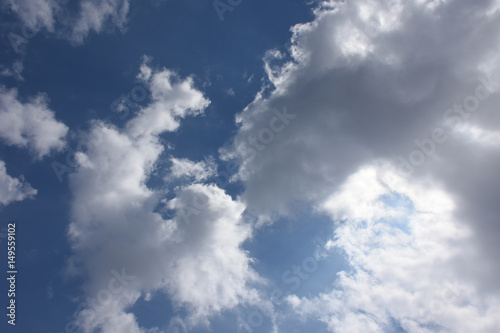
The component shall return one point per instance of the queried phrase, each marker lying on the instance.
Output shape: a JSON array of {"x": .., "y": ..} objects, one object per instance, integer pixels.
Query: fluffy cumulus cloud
[
  {"x": 411, "y": 85},
  {"x": 179, "y": 99},
  {"x": 30, "y": 124},
  {"x": 364, "y": 81},
  {"x": 13, "y": 189},
  {"x": 192, "y": 252}
]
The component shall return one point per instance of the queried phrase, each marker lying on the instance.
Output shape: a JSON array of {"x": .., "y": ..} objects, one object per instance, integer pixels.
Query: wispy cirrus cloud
[
  {"x": 35, "y": 14},
  {"x": 55, "y": 17},
  {"x": 98, "y": 15}
]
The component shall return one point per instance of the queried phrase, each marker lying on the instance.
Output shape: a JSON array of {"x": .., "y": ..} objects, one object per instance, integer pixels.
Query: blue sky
[{"x": 250, "y": 166}]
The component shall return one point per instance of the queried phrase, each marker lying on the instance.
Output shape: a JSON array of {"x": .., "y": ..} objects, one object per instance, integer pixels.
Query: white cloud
[
  {"x": 31, "y": 124},
  {"x": 479, "y": 135},
  {"x": 213, "y": 272},
  {"x": 35, "y": 14},
  {"x": 182, "y": 167},
  {"x": 92, "y": 16},
  {"x": 173, "y": 99},
  {"x": 95, "y": 15},
  {"x": 403, "y": 244},
  {"x": 195, "y": 257},
  {"x": 13, "y": 189}
]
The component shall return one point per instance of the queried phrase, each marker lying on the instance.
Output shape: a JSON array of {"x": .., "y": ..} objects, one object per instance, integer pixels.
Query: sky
[{"x": 243, "y": 166}]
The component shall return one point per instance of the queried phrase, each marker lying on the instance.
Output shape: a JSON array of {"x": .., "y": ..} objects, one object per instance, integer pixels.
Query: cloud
[
  {"x": 382, "y": 81},
  {"x": 182, "y": 167},
  {"x": 403, "y": 244},
  {"x": 412, "y": 86},
  {"x": 215, "y": 273},
  {"x": 30, "y": 125},
  {"x": 54, "y": 16},
  {"x": 173, "y": 99},
  {"x": 363, "y": 94},
  {"x": 16, "y": 71},
  {"x": 35, "y": 14},
  {"x": 95, "y": 15},
  {"x": 194, "y": 256},
  {"x": 13, "y": 189}
]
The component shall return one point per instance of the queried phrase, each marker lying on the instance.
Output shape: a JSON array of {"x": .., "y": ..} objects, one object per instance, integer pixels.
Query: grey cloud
[{"x": 364, "y": 95}]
